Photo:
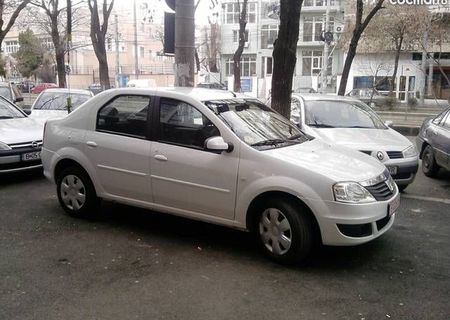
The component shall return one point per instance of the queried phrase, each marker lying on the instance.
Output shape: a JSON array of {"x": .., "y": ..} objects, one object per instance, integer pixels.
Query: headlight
[
  {"x": 351, "y": 192},
  {"x": 410, "y": 152},
  {"x": 4, "y": 146}
]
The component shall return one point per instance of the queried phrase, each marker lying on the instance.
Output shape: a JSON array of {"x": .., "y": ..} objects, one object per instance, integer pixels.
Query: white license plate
[
  {"x": 393, "y": 206},
  {"x": 392, "y": 170},
  {"x": 30, "y": 156}
]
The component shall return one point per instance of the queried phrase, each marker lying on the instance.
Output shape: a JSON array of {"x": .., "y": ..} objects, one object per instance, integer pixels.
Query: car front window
[
  {"x": 256, "y": 124},
  {"x": 58, "y": 101},
  {"x": 7, "y": 111},
  {"x": 341, "y": 114}
]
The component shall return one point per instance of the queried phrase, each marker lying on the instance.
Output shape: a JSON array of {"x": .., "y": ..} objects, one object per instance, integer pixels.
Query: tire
[
  {"x": 284, "y": 231},
  {"x": 429, "y": 165},
  {"x": 76, "y": 193}
]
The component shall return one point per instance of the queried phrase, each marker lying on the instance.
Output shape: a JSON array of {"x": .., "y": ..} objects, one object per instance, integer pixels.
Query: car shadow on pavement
[
  {"x": 10, "y": 179},
  {"x": 235, "y": 244}
]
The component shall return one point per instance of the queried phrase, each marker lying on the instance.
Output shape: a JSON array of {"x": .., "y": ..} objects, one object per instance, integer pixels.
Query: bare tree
[
  {"x": 285, "y": 55},
  {"x": 12, "y": 9},
  {"x": 359, "y": 27},
  {"x": 240, "y": 48},
  {"x": 98, "y": 36}
]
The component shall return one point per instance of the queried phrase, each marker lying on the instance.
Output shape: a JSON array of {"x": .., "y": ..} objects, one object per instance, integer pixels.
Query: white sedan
[
  {"x": 222, "y": 158},
  {"x": 348, "y": 122},
  {"x": 53, "y": 103},
  {"x": 20, "y": 139}
]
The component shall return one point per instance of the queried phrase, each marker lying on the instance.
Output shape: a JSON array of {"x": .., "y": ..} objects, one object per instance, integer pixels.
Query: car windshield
[
  {"x": 341, "y": 114},
  {"x": 58, "y": 100},
  {"x": 256, "y": 124},
  {"x": 6, "y": 93},
  {"x": 8, "y": 111}
]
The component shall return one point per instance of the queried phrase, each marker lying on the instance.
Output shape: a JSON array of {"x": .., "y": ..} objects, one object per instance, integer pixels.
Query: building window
[
  {"x": 11, "y": 46},
  {"x": 318, "y": 3},
  {"x": 362, "y": 82},
  {"x": 311, "y": 62},
  {"x": 269, "y": 66},
  {"x": 269, "y": 33},
  {"x": 141, "y": 52},
  {"x": 248, "y": 66},
  {"x": 232, "y": 11},
  {"x": 314, "y": 26},
  {"x": 236, "y": 35}
]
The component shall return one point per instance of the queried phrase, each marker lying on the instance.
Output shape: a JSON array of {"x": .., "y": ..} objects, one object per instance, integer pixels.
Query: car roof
[
  {"x": 201, "y": 94},
  {"x": 66, "y": 90},
  {"x": 317, "y": 96}
]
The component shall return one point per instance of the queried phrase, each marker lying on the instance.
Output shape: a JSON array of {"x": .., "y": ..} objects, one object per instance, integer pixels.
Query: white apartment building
[{"x": 262, "y": 30}]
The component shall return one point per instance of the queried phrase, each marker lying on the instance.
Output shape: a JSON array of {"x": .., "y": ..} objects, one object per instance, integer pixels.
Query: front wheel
[
  {"x": 76, "y": 193},
  {"x": 429, "y": 165},
  {"x": 285, "y": 231}
]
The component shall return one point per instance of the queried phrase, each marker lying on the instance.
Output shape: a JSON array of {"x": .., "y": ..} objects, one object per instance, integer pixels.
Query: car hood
[
  {"x": 21, "y": 130},
  {"x": 363, "y": 139},
  {"x": 335, "y": 162},
  {"x": 48, "y": 114}
]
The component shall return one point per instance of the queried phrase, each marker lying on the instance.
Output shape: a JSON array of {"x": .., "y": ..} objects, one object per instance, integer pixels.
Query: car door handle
[
  {"x": 91, "y": 144},
  {"x": 160, "y": 157}
]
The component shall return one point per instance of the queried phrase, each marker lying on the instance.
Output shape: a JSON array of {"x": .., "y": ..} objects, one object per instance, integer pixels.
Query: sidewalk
[{"x": 408, "y": 120}]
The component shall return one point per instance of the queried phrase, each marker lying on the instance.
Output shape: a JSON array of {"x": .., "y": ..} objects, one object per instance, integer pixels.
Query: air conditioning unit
[
  {"x": 246, "y": 44},
  {"x": 338, "y": 28}
]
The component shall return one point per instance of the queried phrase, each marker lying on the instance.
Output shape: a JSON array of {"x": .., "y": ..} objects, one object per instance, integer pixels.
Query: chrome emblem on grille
[
  {"x": 380, "y": 155},
  {"x": 35, "y": 144}
]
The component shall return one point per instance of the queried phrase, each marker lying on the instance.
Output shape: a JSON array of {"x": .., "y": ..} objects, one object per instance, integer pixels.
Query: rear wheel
[
  {"x": 76, "y": 193},
  {"x": 429, "y": 165},
  {"x": 284, "y": 231}
]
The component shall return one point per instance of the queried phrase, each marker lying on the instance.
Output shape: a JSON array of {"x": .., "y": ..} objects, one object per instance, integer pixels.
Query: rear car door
[
  {"x": 119, "y": 148},
  {"x": 184, "y": 175}
]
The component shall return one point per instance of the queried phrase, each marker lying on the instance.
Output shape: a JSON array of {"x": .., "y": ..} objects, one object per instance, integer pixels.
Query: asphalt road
[{"x": 132, "y": 264}]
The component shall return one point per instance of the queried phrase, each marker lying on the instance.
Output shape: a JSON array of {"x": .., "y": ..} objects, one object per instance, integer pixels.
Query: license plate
[
  {"x": 392, "y": 170},
  {"x": 393, "y": 206},
  {"x": 30, "y": 156}
]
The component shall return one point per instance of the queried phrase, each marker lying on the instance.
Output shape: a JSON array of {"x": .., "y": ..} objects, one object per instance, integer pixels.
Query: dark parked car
[
  {"x": 11, "y": 92},
  {"x": 369, "y": 96},
  {"x": 26, "y": 86},
  {"x": 433, "y": 142}
]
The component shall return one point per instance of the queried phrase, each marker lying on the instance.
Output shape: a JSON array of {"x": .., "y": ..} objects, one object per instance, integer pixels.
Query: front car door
[
  {"x": 119, "y": 148},
  {"x": 442, "y": 142},
  {"x": 184, "y": 175}
]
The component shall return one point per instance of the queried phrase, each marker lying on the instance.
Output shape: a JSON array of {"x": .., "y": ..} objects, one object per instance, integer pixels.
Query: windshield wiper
[
  {"x": 321, "y": 125},
  {"x": 271, "y": 142},
  {"x": 363, "y": 127},
  {"x": 48, "y": 101},
  {"x": 6, "y": 117}
]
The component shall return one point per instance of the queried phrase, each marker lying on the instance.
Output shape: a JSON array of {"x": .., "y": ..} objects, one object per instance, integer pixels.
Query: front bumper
[
  {"x": 406, "y": 169},
  {"x": 12, "y": 160},
  {"x": 344, "y": 224}
]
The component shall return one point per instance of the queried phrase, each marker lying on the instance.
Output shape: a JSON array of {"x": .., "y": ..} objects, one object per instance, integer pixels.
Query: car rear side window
[
  {"x": 125, "y": 115},
  {"x": 182, "y": 124}
]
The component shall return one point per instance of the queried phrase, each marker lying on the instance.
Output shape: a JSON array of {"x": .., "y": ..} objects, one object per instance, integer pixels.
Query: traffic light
[{"x": 169, "y": 29}]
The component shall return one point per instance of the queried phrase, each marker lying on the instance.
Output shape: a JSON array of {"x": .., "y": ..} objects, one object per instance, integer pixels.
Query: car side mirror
[
  {"x": 27, "y": 111},
  {"x": 388, "y": 123},
  {"x": 18, "y": 99},
  {"x": 218, "y": 144}
]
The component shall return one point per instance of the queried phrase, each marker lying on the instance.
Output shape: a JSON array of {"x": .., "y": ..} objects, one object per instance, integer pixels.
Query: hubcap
[
  {"x": 275, "y": 231},
  {"x": 73, "y": 192}
]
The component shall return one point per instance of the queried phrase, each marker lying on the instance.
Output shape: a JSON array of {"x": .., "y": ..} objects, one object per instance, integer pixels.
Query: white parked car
[
  {"x": 222, "y": 158},
  {"x": 52, "y": 103},
  {"x": 20, "y": 139},
  {"x": 349, "y": 122}
]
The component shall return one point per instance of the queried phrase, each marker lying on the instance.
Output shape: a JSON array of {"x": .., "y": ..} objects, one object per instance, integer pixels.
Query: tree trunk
[
  {"x": 398, "y": 49},
  {"x": 61, "y": 67},
  {"x": 347, "y": 65},
  {"x": 240, "y": 49},
  {"x": 285, "y": 56},
  {"x": 103, "y": 68}
]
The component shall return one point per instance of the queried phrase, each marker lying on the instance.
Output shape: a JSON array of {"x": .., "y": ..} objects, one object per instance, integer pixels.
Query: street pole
[
  {"x": 116, "y": 19},
  {"x": 136, "y": 59},
  {"x": 424, "y": 70},
  {"x": 326, "y": 48},
  {"x": 184, "y": 43}
]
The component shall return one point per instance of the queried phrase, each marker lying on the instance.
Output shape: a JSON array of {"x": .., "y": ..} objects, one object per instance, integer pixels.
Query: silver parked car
[
  {"x": 20, "y": 139},
  {"x": 372, "y": 97},
  {"x": 433, "y": 142},
  {"x": 349, "y": 122}
]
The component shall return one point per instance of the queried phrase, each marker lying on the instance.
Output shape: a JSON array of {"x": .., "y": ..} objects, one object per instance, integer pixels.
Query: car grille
[
  {"x": 380, "y": 191},
  {"x": 395, "y": 154},
  {"x": 32, "y": 144}
]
